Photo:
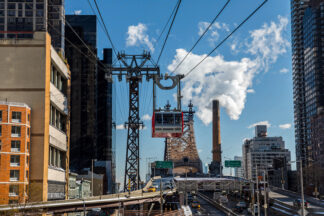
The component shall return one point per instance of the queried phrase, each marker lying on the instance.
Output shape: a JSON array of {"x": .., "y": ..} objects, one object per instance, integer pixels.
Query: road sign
[
  {"x": 163, "y": 164},
  {"x": 232, "y": 163}
]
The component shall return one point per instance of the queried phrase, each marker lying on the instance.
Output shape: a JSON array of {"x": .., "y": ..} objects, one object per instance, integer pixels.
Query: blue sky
[{"x": 250, "y": 74}]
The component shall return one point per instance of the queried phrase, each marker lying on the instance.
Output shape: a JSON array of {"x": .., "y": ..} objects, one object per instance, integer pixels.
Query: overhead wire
[
  {"x": 202, "y": 35},
  {"x": 228, "y": 36},
  {"x": 166, "y": 24},
  {"x": 122, "y": 106},
  {"x": 105, "y": 28},
  {"x": 167, "y": 36}
]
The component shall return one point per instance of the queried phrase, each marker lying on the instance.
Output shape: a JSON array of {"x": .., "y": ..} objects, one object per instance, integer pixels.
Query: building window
[
  {"x": 28, "y": 117},
  {"x": 14, "y": 175},
  {"x": 16, "y": 117},
  {"x": 58, "y": 119},
  {"x": 0, "y": 115},
  {"x": 0, "y": 130},
  {"x": 58, "y": 80},
  {"x": 14, "y": 160},
  {"x": 28, "y": 132},
  {"x": 56, "y": 158},
  {"x": 13, "y": 201},
  {"x": 28, "y": 146},
  {"x": 15, "y": 131},
  {"x": 13, "y": 190},
  {"x": 15, "y": 146}
]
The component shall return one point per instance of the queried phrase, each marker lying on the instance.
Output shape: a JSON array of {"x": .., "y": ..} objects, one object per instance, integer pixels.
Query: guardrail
[
  {"x": 217, "y": 205},
  {"x": 310, "y": 199}
]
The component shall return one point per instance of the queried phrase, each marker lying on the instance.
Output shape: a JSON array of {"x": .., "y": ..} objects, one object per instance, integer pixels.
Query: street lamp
[
  {"x": 301, "y": 185},
  {"x": 92, "y": 160}
]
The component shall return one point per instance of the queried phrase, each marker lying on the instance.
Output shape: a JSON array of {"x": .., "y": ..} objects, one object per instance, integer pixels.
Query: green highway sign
[
  {"x": 232, "y": 163},
  {"x": 163, "y": 164}
]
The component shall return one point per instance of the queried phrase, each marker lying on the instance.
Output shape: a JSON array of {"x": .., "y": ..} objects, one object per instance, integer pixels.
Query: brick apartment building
[{"x": 14, "y": 152}]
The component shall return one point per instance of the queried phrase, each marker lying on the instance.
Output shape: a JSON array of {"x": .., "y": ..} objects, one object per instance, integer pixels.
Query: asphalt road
[{"x": 206, "y": 209}]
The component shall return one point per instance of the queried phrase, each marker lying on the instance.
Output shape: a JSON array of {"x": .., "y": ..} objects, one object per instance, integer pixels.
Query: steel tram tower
[{"x": 134, "y": 68}]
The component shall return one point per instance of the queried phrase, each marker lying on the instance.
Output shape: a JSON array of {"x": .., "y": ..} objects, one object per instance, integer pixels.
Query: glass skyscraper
[{"x": 308, "y": 78}]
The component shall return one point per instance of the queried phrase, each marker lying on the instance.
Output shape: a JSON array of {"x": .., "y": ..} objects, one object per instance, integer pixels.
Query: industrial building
[
  {"x": 307, "y": 67},
  {"x": 260, "y": 152},
  {"x": 19, "y": 19},
  {"x": 40, "y": 78},
  {"x": 14, "y": 152}
]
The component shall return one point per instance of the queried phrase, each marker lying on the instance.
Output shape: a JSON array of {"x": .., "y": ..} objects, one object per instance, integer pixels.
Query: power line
[
  {"x": 203, "y": 34},
  {"x": 166, "y": 24},
  {"x": 105, "y": 28},
  {"x": 167, "y": 36},
  {"x": 228, "y": 36}
]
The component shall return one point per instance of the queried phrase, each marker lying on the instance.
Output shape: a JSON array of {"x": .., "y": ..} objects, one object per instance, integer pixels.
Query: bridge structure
[{"x": 183, "y": 151}]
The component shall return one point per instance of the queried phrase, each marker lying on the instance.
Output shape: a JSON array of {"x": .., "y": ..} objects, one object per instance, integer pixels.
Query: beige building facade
[{"x": 32, "y": 72}]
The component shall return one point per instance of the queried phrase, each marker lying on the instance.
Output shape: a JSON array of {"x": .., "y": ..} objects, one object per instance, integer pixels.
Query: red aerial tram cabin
[{"x": 166, "y": 124}]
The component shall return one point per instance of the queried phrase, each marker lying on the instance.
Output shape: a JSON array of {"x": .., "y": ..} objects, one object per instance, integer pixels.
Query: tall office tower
[
  {"x": 308, "y": 72},
  {"x": 19, "y": 19},
  {"x": 106, "y": 139},
  {"x": 37, "y": 76},
  {"x": 83, "y": 67},
  {"x": 260, "y": 151},
  {"x": 14, "y": 152},
  {"x": 239, "y": 170}
]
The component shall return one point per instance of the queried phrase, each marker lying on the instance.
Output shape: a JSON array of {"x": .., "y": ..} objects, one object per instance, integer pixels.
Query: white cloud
[
  {"x": 120, "y": 127},
  {"x": 146, "y": 117},
  {"x": 268, "y": 42},
  {"x": 225, "y": 80},
  {"x": 137, "y": 35},
  {"x": 284, "y": 70},
  {"x": 260, "y": 123},
  {"x": 77, "y": 12},
  {"x": 285, "y": 126},
  {"x": 250, "y": 91},
  {"x": 213, "y": 31}
]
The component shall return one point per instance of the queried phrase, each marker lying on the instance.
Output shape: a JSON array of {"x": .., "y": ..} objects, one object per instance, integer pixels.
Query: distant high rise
[
  {"x": 83, "y": 89},
  {"x": 92, "y": 102},
  {"x": 259, "y": 153},
  {"x": 308, "y": 72},
  {"x": 239, "y": 170},
  {"x": 106, "y": 139},
  {"x": 19, "y": 19}
]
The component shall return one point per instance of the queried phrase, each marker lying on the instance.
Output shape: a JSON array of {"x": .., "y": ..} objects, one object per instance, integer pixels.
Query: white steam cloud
[{"x": 230, "y": 81}]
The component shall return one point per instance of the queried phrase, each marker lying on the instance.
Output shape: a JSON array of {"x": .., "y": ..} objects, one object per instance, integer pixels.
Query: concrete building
[
  {"x": 78, "y": 189},
  {"x": 308, "y": 71},
  {"x": 19, "y": 19},
  {"x": 239, "y": 170},
  {"x": 14, "y": 152},
  {"x": 260, "y": 151},
  {"x": 38, "y": 76}
]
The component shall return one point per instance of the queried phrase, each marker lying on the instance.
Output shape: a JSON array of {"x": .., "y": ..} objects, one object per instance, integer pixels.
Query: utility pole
[
  {"x": 134, "y": 68},
  {"x": 265, "y": 195},
  {"x": 302, "y": 188},
  {"x": 258, "y": 195}
]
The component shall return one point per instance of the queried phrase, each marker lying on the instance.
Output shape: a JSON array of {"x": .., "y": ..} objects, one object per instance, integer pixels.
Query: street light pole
[
  {"x": 302, "y": 187},
  {"x": 265, "y": 194},
  {"x": 92, "y": 175}
]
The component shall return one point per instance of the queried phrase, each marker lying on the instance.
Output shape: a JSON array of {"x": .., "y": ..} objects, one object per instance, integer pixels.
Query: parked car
[
  {"x": 241, "y": 204},
  {"x": 195, "y": 204},
  {"x": 298, "y": 202},
  {"x": 151, "y": 189}
]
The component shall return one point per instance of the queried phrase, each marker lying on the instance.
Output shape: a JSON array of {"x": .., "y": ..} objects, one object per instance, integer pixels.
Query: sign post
[{"x": 233, "y": 163}]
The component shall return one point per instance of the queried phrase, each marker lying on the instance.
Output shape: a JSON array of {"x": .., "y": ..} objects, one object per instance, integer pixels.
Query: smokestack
[
  {"x": 216, "y": 133},
  {"x": 215, "y": 166}
]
